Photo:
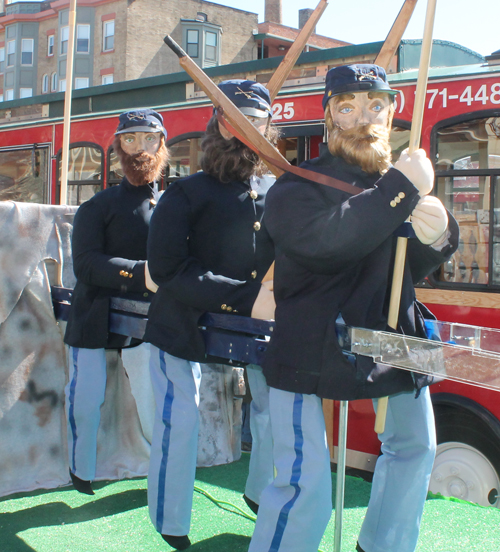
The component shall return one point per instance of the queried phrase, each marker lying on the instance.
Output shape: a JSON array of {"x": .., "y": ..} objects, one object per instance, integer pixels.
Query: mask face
[
  {"x": 133, "y": 143},
  {"x": 361, "y": 108},
  {"x": 260, "y": 123}
]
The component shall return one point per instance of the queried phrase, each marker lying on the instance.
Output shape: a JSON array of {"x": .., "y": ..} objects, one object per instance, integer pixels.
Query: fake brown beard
[
  {"x": 143, "y": 168},
  {"x": 230, "y": 160},
  {"x": 366, "y": 146}
]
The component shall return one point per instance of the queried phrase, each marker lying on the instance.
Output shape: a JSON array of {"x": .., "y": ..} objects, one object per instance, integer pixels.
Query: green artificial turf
[{"x": 116, "y": 519}]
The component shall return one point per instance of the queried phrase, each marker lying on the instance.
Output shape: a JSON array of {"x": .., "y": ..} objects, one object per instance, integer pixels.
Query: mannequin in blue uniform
[
  {"x": 109, "y": 247},
  {"x": 334, "y": 257},
  {"x": 208, "y": 251}
]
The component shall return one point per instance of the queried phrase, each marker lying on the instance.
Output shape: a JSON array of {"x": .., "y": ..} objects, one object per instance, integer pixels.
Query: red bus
[{"x": 461, "y": 133}]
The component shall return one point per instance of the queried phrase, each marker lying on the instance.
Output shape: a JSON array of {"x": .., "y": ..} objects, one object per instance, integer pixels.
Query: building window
[
  {"x": 1, "y": 97},
  {"x": 9, "y": 95},
  {"x": 64, "y": 40},
  {"x": 27, "y": 46},
  {"x": 108, "y": 35},
  {"x": 11, "y": 53},
  {"x": 83, "y": 39},
  {"x": 45, "y": 84},
  {"x": 210, "y": 46},
  {"x": 53, "y": 82},
  {"x": 202, "y": 41},
  {"x": 25, "y": 92},
  {"x": 107, "y": 79},
  {"x": 81, "y": 82},
  {"x": 193, "y": 38},
  {"x": 50, "y": 45},
  {"x": 2, "y": 60},
  {"x": 62, "y": 85}
]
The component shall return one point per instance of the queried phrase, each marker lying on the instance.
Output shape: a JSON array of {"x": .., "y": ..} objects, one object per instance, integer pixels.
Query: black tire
[
  {"x": 457, "y": 424},
  {"x": 463, "y": 426}
]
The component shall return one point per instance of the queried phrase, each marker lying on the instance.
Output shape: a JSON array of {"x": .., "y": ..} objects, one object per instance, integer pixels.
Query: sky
[{"x": 474, "y": 24}]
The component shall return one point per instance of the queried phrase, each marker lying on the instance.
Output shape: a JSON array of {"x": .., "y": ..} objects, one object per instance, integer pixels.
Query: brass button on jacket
[
  {"x": 256, "y": 226},
  {"x": 254, "y": 274},
  {"x": 254, "y": 194}
]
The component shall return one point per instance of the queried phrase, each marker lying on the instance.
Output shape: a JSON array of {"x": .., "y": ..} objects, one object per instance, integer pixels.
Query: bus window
[
  {"x": 85, "y": 172},
  {"x": 467, "y": 171},
  {"x": 24, "y": 174},
  {"x": 185, "y": 156},
  {"x": 300, "y": 142},
  {"x": 400, "y": 140},
  {"x": 115, "y": 171}
]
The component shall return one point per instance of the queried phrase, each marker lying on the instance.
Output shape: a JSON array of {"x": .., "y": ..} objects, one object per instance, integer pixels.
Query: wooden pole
[
  {"x": 67, "y": 104},
  {"x": 395, "y": 35},
  {"x": 280, "y": 75},
  {"x": 415, "y": 134}
]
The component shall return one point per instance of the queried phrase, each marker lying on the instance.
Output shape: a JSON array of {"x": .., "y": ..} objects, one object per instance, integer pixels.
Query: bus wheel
[
  {"x": 463, "y": 472},
  {"x": 467, "y": 464}
]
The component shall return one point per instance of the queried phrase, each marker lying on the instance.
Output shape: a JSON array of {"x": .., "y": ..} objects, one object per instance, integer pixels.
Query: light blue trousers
[
  {"x": 84, "y": 396},
  {"x": 85, "y": 393},
  {"x": 261, "y": 468},
  {"x": 176, "y": 384},
  {"x": 296, "y": 507}
]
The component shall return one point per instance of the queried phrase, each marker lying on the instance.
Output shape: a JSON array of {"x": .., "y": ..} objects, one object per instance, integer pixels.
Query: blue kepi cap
[
  {"x": 362, "y": 77},
  {"x": 141, "y": 120},
  {"x": 250, "y": 97}
]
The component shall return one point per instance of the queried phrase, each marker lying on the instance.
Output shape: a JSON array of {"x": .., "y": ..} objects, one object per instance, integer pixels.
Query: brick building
[{"x": 116, "y": 40}]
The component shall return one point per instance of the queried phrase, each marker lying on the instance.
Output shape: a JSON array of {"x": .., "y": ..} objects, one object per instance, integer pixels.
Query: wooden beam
[
  {"x": 395, "y": 35},
  {"x": 280, "y": 75}
]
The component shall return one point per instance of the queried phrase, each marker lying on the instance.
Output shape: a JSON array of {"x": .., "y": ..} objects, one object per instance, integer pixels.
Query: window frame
[
  {"x": 81, "y": 27},
  {"x": 32, "y": 51},
  {"x": 494, "y": 192},
  {"x": 106, "y": 36},
  {"x": 50, "y": 45},
  {"x": 205, "y": 57},
  {"x": 167, "y": 179},
  {"x": 11, "y": 53},
  {"x": 53, "y": 82},
  {"x": 45, "y": 83},
  {"x": 44, "y": 148},
  {"x": 197, "y": 43},
  {"x": 22, "y": 94},
  {"x": 79, "y": 183},
  {"x": 64, "y": 42},
  {"x": 87, "y": 79}
]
